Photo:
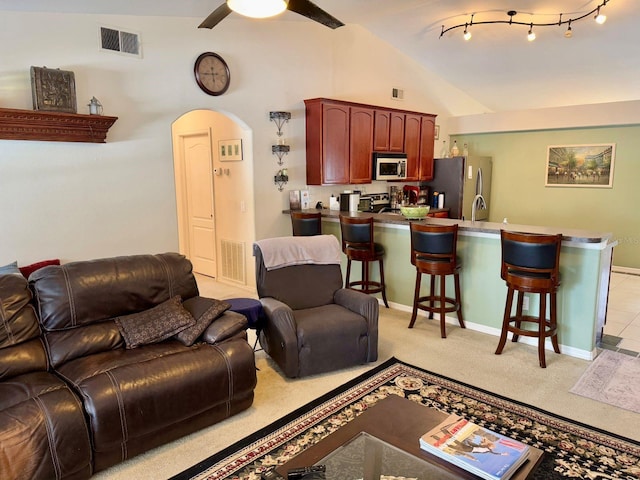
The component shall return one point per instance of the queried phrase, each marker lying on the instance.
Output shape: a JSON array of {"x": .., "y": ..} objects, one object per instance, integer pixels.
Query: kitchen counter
[
  {"x": 585, "y": 269},
  {"x": 467, "y": 227}
]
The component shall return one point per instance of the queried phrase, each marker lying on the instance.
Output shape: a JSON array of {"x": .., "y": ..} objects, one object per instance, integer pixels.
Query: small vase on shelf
[
  {"x": 444, "y": 153},
  {"x": 455, "y": 151}
]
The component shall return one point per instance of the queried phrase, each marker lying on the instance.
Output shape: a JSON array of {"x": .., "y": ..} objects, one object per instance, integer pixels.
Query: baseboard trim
[
  {"x": 628, "y": 270},
  {"x": 565, "y": 349}
]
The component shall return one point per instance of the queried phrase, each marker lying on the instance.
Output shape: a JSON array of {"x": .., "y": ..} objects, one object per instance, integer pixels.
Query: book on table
[{"x": 476, "y": 449}]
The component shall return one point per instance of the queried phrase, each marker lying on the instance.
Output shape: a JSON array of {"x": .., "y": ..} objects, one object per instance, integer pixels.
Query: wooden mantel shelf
[{"x": 53, "y": 126}]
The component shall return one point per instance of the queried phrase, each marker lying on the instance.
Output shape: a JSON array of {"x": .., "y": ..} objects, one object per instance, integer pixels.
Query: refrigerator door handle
[{"x": 479, "y": 182}]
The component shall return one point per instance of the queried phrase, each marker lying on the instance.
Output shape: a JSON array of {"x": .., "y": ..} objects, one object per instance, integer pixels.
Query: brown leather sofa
[
  {"x": 135, "y": 395},
  {"x": 43, "y": 433}
]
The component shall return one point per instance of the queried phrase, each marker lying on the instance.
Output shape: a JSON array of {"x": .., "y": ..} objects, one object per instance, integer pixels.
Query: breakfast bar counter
[{"x": 585, "y": 267}]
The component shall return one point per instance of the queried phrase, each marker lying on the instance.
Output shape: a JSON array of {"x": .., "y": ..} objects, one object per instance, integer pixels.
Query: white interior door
[{"x": 199, "y": 201}]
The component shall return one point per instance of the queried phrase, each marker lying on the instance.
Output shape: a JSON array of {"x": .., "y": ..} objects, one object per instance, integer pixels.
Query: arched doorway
[{"x": 214, "y": 194}]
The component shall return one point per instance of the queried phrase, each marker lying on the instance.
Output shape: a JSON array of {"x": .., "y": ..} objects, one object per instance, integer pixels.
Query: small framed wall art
[
  {"x": 53, "y": 90},
  {"x": 580, "y": 165},
  {"x": 230, "y": 150}
]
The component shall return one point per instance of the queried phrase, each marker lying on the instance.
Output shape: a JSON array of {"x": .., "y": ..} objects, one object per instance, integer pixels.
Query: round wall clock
[{"x": 212, "y": 73}]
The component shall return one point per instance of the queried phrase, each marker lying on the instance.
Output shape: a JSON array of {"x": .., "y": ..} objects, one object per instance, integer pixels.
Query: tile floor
[{"x": 621, "y": 332}]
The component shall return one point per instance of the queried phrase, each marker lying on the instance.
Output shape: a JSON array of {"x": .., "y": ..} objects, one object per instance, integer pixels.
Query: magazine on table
[{"x": 476, "y": 449}]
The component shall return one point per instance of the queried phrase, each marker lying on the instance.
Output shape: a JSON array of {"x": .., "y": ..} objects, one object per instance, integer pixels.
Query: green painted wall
[{"x": 519, "y": 193}]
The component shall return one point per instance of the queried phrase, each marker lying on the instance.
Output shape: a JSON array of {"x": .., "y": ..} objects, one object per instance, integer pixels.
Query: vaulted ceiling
[{"x": 498, "y": 67}]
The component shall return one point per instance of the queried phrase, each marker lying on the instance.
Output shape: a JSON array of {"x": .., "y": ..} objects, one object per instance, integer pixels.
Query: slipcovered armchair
[{"x": 313, "y": 325}]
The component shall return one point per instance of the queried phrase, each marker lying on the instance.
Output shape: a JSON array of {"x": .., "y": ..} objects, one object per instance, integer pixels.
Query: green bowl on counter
[{"x": 414, "y": 212}]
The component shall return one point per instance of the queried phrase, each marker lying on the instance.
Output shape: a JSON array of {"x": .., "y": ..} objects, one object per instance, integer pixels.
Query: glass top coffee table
[{"x": 384, "y": 442}]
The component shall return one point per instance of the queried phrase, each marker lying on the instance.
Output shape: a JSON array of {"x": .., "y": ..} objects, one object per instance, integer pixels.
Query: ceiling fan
[{"x": 305, "y": 8}]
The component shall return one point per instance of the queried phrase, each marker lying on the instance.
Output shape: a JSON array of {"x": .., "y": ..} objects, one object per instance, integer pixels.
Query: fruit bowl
[{"x": 414, "y": 212}]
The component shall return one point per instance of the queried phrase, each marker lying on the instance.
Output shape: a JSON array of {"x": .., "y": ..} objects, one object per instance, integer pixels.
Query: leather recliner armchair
[{"x": 313, "y": 324}]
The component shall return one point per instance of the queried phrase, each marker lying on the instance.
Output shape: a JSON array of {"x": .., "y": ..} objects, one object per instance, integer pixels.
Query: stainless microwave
[{"x": 389, "y": 166}]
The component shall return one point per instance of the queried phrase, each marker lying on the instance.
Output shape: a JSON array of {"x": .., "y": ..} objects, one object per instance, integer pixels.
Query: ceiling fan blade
[
  {"x": 216, "y": 16},
  {"x": 311, "y": 10}
]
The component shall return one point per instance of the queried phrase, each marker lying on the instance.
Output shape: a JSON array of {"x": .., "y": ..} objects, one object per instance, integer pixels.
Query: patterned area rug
[
  {"x": 612, "y": 378},
  {"x": 572, "y": 450}
]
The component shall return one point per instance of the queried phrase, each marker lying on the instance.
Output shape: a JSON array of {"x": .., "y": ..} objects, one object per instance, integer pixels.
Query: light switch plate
[{"x": 470, "y": 172}]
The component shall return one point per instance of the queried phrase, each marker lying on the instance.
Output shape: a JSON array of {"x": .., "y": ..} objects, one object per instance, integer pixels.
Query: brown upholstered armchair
[{"x": 313, "y": 324}]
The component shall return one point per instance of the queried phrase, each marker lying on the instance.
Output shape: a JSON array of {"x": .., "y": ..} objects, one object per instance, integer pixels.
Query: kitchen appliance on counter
[
  {"x": 349, "y": 201},
  {"x": 466, "y": 183},
  {"x": 389, "y": 166},
  {"x": 411, "y": 194},
  {"x": 374, "y": 202}
]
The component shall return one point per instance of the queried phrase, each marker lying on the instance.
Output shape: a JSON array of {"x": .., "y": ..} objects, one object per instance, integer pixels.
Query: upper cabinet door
[
  {"x": 412, "y": 145},
  {"x": 381, "y": 129},
  {"x": 396, "y": 132},
  {"x": 427, "y": 134},
  {"x": 361, "y": 158},
  {"x": 335, "y": 141}
]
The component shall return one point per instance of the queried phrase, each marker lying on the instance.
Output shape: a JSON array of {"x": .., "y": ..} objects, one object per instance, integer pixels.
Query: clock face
[{"x": 212, "y": 73}]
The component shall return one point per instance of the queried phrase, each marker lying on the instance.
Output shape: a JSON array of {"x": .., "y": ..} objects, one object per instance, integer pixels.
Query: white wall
[{"x": 79, "y": 201}]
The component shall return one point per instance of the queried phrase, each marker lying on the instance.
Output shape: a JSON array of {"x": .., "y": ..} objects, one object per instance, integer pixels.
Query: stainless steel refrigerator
[{"x": 464, "y": 181}]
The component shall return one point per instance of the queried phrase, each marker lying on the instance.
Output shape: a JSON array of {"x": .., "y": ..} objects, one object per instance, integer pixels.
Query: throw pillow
[
  {"x": 29, "y": 269},
  {"x": 9, "y": 269},
  {"x": 155, "y": 324},
  {"x": 204, "y": 311}
]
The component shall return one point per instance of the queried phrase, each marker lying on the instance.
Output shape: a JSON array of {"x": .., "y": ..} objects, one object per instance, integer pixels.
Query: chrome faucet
[{"x": 479, "y": 203}]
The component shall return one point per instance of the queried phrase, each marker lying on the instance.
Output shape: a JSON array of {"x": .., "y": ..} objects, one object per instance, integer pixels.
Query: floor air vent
[
  {"x": 115, "y": 40},
  {"x": 233, "y": 265}
]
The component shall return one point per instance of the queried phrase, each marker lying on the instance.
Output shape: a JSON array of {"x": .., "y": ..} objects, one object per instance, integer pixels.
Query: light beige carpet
[{"x": 612, "y": 378}]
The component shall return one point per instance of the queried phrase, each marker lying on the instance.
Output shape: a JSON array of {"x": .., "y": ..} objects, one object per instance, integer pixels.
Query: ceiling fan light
[{"x": 258, "y": 8}]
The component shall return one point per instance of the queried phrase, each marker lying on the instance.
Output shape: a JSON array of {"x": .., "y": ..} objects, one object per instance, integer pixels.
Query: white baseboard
[
  {"x": 629, "y": 270},
  {"x": 565, "y": 349}
]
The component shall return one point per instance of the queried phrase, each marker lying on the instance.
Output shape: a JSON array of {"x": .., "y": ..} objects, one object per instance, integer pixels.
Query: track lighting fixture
[
  {"x": 531, "y": 36},
  {"x": 467, "y": 33},
  {"x": 568, "y": 33},
  {"x": 597, "y": 15}
]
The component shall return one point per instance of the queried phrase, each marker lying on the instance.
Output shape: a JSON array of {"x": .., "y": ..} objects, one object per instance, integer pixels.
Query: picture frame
[
  {"x": 53, "y": 90},
  {"x": 436, "y": 133},
  {"x": 588, "y": 165},
  {"x": 230, "y": 150}
]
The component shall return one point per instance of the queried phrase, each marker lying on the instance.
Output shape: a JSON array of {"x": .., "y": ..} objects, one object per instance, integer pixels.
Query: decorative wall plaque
[{"x": 53, "y": 90}]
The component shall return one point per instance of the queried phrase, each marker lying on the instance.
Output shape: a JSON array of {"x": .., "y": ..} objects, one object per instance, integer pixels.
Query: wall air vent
[
  {"x": 233, "y": 265},
  {"x": 397, "y": 93},
  {"x": 114, "y": 40}
]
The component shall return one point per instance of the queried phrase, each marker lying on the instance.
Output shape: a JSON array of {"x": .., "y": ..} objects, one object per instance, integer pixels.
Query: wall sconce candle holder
[
  {"x": 279, "y": 151},
  {"x": 280, "y": 118},
  {"x": 281, "y": 179}
]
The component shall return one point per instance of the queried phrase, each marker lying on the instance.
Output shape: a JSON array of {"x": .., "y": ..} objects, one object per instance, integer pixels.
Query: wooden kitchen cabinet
[
  {"x": 412, "y": 145},
  {"x": 342, "y": 136},
  {"x": 427, "y": 134},
  {"x": 388, "y": 131},
  {"x": 360, "y": 145},
  {"x": 339, "y": 142}
]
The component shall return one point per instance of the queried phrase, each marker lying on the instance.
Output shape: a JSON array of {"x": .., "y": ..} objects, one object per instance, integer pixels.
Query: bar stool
[
  {"x": 358, "y": 245},
  {"x": 433, "y": 252},
  {"x": 530, "y": 263},
  {"x": 306, "y": 224}
]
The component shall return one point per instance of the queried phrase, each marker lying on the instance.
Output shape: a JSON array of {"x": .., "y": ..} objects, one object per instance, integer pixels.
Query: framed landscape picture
[{"x": 580, "y": 165}]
